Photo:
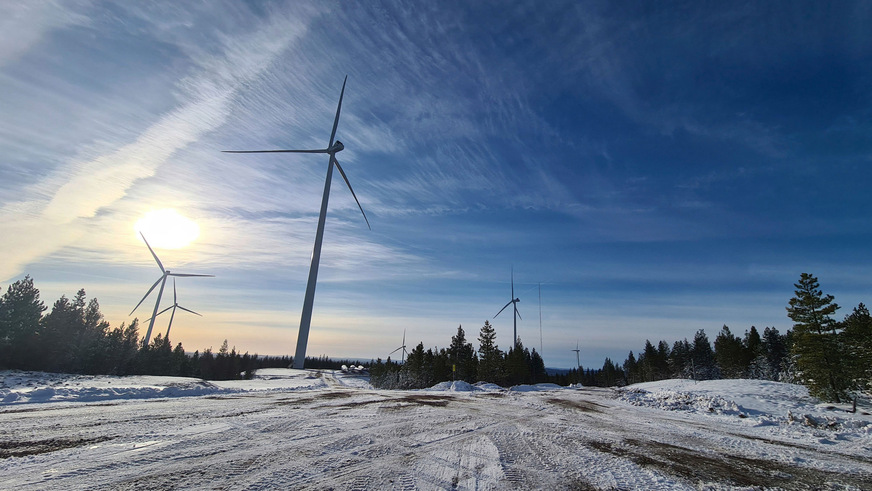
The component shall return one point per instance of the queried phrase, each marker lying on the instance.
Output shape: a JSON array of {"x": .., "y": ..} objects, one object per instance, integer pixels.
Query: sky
[{"x": 652, "y": 168}]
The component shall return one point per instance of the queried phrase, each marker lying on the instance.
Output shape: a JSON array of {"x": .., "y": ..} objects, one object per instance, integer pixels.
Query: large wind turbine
[
  {"x": 308, "y": 302},
  {"x": 162, "y": 280},
  {"x": 514, "y": 301},
  {"x": 173, "y": 306}
]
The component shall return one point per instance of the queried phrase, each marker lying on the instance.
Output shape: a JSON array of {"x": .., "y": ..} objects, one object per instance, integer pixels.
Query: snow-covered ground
[{"x": 291, "y": 429}]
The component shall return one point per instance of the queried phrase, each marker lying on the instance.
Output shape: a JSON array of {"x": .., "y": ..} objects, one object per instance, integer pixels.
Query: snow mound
[
  {"x": 681, "y": 401},
  {"x": 455, "y": 386}
]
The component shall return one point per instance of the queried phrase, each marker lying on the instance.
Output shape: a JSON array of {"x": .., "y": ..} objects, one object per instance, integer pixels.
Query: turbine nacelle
[{"x": 337, "y": 147}]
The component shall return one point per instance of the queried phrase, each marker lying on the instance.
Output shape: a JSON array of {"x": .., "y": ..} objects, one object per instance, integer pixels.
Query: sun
[{"x": 167, "y": 229}]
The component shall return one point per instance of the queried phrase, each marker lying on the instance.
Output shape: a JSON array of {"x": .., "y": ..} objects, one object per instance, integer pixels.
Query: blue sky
[{"x": 659, "y": 167}]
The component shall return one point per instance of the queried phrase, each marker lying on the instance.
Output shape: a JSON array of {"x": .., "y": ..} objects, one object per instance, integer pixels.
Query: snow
[{"x": 307, "y": 429}]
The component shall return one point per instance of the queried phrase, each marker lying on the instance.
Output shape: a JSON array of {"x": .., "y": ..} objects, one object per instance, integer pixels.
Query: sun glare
[{"x": 167, "y": 229}]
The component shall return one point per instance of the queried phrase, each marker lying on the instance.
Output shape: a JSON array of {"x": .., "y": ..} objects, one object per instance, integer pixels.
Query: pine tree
[
  {"x": 755, "y": 354},
  {"x": 858, "y": 341},
  {"x": 730, "y": 354},
  {"x": 816, "y": 345},
  {"x": 631, "y": 369},
  {"x": 776, "y": 353},
  {"x": 489, "y": 355},
  {"x": 680, "y": 359},
  {"x": 703, "y": 358},
  {"x": 517, "y": 369},
  {"x": 537, "y": 367},
  {"x": 648, "y": 362},
  {"x": 462, "y": 357},
  {"x": 20, "y": 314}
]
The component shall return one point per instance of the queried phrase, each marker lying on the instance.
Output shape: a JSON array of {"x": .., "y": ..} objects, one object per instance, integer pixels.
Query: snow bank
[
  {"x": 759, "y": 402},
  {"x": 17, "y": 387}
]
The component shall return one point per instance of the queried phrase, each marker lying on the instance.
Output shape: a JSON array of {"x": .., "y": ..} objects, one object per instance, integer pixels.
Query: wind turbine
[
  {"x": 403, "y": 347},
  {"x": 308, "y": 302},
  {"x": 577, "y": 360},
  {"x": 540, "y": 319},
  {"x": 517, "y": 314},
  {"x": 162, "y": 280},
  {"x": 173, "y": 306}
]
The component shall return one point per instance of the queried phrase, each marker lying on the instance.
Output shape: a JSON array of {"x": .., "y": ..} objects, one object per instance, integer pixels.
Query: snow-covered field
[{"x": 292, "y": 429}]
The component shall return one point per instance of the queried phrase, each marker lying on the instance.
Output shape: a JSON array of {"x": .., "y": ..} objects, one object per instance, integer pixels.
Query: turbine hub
[{"x": 337, "y": 147}]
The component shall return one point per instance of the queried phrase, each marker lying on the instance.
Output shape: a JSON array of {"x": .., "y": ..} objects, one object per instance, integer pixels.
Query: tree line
[
  {"x": 832, "y": 358},
  {"x": 461, "y": 361},
  {"x": 73, "y": 337}
]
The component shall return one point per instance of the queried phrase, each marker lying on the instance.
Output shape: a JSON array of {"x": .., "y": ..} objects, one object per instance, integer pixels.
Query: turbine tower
[
  {"x": 514, "y": 301},
  {"x": 309, "y": 300},
  {"x": 162, "y": 280},
  {"x": 577, "y": 361},
  {"x": 540, "y": 320},
  {"x": 173, "y": 306},
  {"x": 403, "y": 347}
]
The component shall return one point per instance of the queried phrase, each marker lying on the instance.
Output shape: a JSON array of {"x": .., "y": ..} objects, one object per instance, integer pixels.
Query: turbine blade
[
  {"x": 513, "y": 281},
  {"x": 146, "y": 295},
  {"x": 159, "y": 313},
  {"x": 189, "y": 310},
  {"x": 162, "y": 270},
  {"x": 351, "y": 189},
  {"x": 275, "y": 151},
  {"x": 175, "y": 298},
  {"x": 502, "y": 309},
  {"x": 519, "y": 314},
  {"x": 394, "y": 351},
  {"x": 189, "y": 275},
  {"x": 338, "y": 108}
]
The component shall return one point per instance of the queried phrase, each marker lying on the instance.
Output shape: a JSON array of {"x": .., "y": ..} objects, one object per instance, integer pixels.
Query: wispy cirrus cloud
[{"x": 77, "y": 190}]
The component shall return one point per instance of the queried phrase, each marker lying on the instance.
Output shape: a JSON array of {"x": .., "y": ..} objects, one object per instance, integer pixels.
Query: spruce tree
[
  {"x": 679, "y": 359},
  {"x": 462, "y": 356},
  {"x": 20, "y": 314},
  {"x": 858, "y": 343},
  {"x": 775, "y": 351},
  {"x": 730, "y": 354},
  {"x": 631, "y": 369},
  {"x": 816, "y": 343},
  {"x": 489, "y": 355},
  {"x": 703, "y": 358}
]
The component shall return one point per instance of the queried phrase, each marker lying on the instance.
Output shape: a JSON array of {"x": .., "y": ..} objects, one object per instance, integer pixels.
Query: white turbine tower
[
  {"x": 517, "y": 315},
  {"x": 577, "y": 361},
  {"x": 308, "y": 302},
  {"x": 403, "y": 347},
  {"x": 162, "y": 280},
  {"x": 174, "y": 306}
]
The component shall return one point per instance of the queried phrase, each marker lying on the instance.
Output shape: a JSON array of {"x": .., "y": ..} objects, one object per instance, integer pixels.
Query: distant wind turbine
[
  {"x": 577, "y": 361},
  {"x": 403, "y": 347},
  {"x": 173, "y": 306},
  {"x": 308, "y": 302},
  {"x": 540, "y": 319},
  {"x": 162, "y": 280},
  {"x": 514, "y": 301}
]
